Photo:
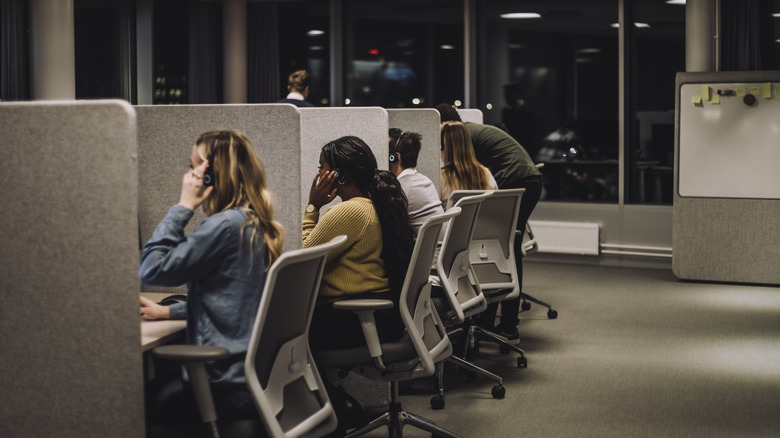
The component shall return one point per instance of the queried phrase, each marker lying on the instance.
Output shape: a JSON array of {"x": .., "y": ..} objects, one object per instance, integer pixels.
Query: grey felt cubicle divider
[
  {"x": 471, "y": 115},
  {"x": 166, "y": 134},
  {"x": 319, "y": 126},
  {"x": 70, "y": 344},
  {"x": 425, "y": 122}
]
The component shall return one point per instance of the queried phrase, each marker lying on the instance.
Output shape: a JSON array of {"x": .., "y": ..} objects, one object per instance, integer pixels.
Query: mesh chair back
[
  {"x": 492, "y": 244},
  {"x": 280, "y": 371},
  {"x": 417, "y": 311},
  {"x": 454, "y": 266}
]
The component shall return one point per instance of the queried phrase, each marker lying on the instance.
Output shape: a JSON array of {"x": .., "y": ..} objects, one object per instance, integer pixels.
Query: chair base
[
  {"x": 551, "y": 313},
  {"x": 396, "y": 418}
]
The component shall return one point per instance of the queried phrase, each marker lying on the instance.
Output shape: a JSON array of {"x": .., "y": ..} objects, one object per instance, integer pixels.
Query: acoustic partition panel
[
  {"x": 471, "y": 115},
  {"x": 320, "y": 126},
  {"x": 426, "y": 123},
  {"x": 726, "y": 198},
  {"x": 166, "y": 134},
  {"x": 70, "y": 344}
]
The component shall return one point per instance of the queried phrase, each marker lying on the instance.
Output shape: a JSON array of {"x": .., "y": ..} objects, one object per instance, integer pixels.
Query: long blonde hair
[
  {"x": 240, "y": 182},
  {"x": 461, "y": 170}
]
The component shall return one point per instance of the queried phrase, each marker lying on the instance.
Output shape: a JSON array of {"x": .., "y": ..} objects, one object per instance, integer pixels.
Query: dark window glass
[
  {"x": 171, "y": 47},
  {"x": 304, "y": 44},
  {"x": 403, "y": 54},
  {"x": 657, "y": 53},
  {"x": 552, "y": 82}
]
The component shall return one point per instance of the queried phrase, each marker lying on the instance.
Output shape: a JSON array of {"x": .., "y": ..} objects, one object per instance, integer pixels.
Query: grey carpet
[{"x": 633, "y": 353}]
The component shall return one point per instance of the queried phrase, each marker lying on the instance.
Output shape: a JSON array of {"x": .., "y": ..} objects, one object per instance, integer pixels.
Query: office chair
[
  {"x": 463, "y": 298},
  {"x": 530, "y": 246},
  {"x": 492, "y": 255},
  {"x": 279, "y": 368},
  {"x": 424, "y": 343}
]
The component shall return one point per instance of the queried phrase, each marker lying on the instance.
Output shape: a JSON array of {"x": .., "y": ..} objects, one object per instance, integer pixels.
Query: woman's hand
[
  {"x": 193, "y": 192},
  {"x": 323, "y": 188},
  {"x": 153, "y": 310}
]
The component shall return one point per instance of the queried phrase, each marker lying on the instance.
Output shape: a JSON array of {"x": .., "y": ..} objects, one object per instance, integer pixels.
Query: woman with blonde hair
[
  {"x": 460, "y": 169},
  {"x": 223, "y": 262}
]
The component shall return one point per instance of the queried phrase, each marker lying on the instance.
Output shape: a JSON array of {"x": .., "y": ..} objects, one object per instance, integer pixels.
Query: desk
[{"x": 158, "y": 332}]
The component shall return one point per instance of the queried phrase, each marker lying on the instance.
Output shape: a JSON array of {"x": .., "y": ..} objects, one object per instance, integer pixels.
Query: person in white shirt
[{"x": 420, "y": 192}]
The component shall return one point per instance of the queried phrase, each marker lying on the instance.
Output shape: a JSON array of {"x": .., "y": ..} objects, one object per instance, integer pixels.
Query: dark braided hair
[{"x": 357, "y": 163}]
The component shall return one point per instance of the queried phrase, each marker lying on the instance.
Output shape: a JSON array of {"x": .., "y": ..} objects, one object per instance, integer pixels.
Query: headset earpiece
[
  {"x": 393, "y": 158},
  {"x": 394, "y": 155},
  {"x": 208, "y": 176}
]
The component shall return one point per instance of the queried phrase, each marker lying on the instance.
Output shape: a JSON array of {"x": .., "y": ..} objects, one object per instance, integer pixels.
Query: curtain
[
  {"x": 14, "y": 50},
  {"x": 205, "y": 53},
  {"x": 263, "y": 53},
  {"x": 747, "y": 34}
]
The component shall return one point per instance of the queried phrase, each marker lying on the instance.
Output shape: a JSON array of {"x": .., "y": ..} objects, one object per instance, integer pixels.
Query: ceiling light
[
  {"x": 520, "y": 15},
  {"x": 642, "y": 25},
  {"x": 675, "y": 2},
  {"x": 446, "y": 47},
  {"x": 315, "y": 32}
]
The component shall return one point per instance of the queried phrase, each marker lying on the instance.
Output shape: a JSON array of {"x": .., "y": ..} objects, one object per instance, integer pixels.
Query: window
[
  {"x": 552, "y": 82},
  {"x": 403, "y": 54},
  {"x": 304, "y": 44}
]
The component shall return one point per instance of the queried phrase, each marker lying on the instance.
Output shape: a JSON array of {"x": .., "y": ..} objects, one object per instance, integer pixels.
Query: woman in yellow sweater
[{"x": 373, "y": 261}]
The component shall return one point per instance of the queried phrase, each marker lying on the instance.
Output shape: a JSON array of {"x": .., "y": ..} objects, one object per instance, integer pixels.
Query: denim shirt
[{"x": 224, "y": 281}]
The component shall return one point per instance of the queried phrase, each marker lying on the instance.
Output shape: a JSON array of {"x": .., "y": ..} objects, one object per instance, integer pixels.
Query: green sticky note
[
  {"x": 705, "y": 92},
  {"x": 766, "y": 90},
  {"x": 740, "y": 92},
  {"x": 755, "y": 91},
  {"x": 715, "y": 99},
  {"x": 696, "y": 99}
]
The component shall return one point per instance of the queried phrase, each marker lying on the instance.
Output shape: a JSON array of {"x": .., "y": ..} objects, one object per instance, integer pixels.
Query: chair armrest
[
  {"x": 191, "y": 353},
  {"x": 363, "y": 304},
  {"x": 364, "y": 308},
  {"x": 193, "y": 357}
]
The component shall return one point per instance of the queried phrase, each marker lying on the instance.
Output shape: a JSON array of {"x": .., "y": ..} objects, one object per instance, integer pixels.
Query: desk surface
[{"x": 161, "y": 331}]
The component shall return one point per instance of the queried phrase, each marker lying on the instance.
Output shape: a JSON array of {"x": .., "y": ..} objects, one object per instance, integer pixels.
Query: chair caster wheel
[
  {"x": 526, "y": 306},
  {"x": 503, "y": 349},
  {"x": 498, "y": 391},
  {"x": 471, "y": 376},
  {"x": 522, "y": 362},
  {"x": 437, "y": 402},
  {"x": 552, "y": 314}
]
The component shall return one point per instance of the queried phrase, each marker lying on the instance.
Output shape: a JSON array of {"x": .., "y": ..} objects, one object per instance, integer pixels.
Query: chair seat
[{"x": 396, "y": 352}]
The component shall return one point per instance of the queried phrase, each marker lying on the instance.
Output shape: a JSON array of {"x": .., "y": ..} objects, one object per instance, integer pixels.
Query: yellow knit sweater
[{"x": 356, "y": 266}]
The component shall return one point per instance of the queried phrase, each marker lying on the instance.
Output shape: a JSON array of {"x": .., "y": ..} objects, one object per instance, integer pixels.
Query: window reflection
[
  {"x": 304, "y": 43},
  {"x": 559, "y": 91},
  {"x": 403, "y": 54}
]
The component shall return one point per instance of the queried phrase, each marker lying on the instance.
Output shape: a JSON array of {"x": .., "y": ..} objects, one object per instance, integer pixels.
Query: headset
[
  {"x": 394, "y": 155},
  {"x": 208, "y": 176},
  {"x": 334, "y": 167}
]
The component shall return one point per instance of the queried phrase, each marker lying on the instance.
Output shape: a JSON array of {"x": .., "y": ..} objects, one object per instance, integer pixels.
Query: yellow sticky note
[
  {"x": 777, "y": 91},
  {"x": 715, "y": 99},
  {"x": 705, "y": 92},
  {"x": 766, "y": 90},
  {"x": 755, "y": 91},
  {"x": 696, "y": 99},
  {"x": 740, "y": 92}
]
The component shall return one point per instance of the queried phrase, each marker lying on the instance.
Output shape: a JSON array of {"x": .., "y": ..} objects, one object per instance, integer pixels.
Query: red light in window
[{"x": 373, "y": 52}]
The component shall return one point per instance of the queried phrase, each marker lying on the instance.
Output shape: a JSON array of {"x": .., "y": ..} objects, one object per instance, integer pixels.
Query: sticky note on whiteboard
[
  {"x": 705, "y": 92},
  {"x": 777, "y": 90},
  {"x": 755, "y": 91},
  {"x": 696, "y": 99},
  {"x": 766, "y": 90},
  {"x": 715, "y": 99},
  {"x": 740, "y": 92}
]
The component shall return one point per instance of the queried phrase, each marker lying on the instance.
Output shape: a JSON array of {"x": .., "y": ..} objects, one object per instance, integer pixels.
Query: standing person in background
[
  {"x": 420, "y": 192},
  {"x": 223, "y": 262},
  {"x": 513, "y": 168},
  {"x": 298, "y": 89},
  {"x": 460, "y": 169}
]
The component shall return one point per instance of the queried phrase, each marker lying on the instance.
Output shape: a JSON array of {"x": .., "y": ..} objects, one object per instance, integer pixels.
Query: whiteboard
[{"x": 728, "y": 149}]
